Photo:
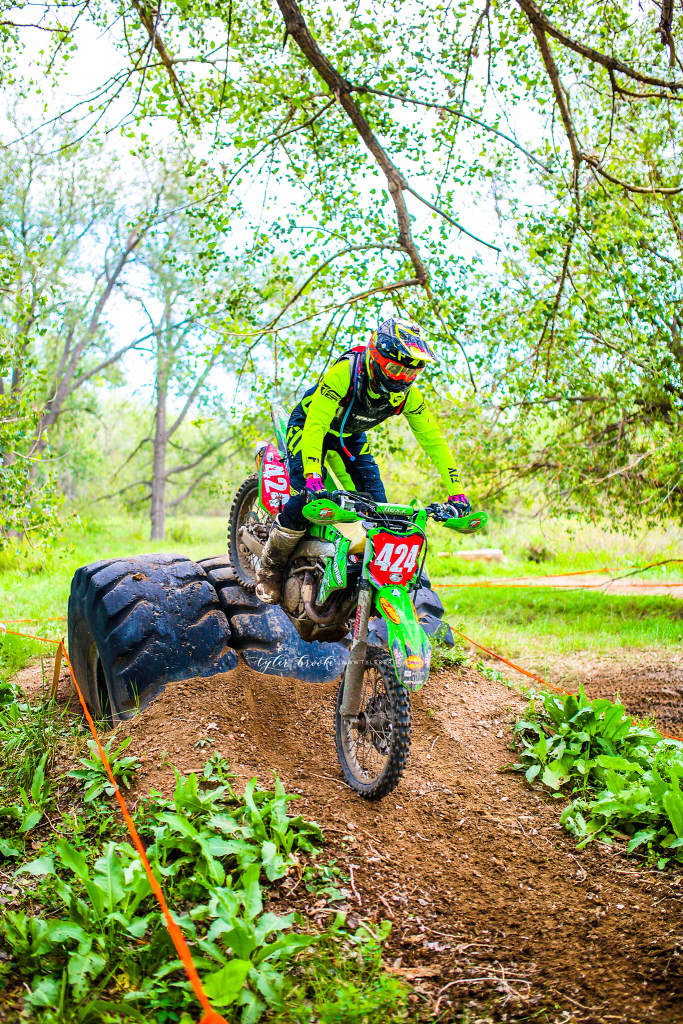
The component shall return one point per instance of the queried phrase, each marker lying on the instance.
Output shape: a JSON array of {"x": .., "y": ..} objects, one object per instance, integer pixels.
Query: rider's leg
[
  {"x": 279, "y": 546},
  {"x": 364, "y": 471},
  {"x": 286, "y": 532}
]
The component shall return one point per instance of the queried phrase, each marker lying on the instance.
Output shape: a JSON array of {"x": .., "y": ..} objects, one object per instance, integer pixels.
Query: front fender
[{"x": 408, "y": 643}]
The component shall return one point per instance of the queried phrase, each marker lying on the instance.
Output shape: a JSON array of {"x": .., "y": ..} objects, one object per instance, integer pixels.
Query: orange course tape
[
  {"x": 211, "y": 1016},
  {"x": 517, "y": 581},
  {"x": 543, "y": 682}
]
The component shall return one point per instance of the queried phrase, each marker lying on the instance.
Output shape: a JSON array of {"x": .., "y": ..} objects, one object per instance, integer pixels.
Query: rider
[{"x": 364, "y": 387}]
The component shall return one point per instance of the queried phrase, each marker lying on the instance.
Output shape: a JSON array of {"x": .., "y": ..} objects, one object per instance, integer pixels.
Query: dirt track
[{"x": 491, "y": 905}]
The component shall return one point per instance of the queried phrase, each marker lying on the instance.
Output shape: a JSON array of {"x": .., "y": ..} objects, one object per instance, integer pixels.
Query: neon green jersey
[{"x": 323, "y": 410}]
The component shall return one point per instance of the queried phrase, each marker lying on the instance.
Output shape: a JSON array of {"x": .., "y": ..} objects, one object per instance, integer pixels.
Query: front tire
[{"x": 373, "y": 748}]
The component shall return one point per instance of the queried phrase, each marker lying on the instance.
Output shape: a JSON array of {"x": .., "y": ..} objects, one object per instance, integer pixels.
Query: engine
[{"x": 300, "y": 588}]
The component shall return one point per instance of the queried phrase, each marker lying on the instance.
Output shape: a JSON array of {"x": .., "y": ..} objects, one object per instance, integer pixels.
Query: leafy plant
[
  {"x": 342, "y": 980},
  {"x": 624, "y": 776},
  {"x": 106, "y": 930},
  {"x": 33, "y": 804},
  {"x": 28, "y": 733},
  {"x": 446, "y": 656},
  {"x": 93, "y": 773}
]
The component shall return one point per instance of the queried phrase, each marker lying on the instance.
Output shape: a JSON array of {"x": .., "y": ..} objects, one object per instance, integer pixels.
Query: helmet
[{"x": 397, "y": 354}]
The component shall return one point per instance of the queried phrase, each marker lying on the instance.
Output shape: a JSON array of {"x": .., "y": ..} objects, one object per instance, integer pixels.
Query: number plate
[
  {"x": 395, "y": 558},
  {"x": 274, "y": 480}
]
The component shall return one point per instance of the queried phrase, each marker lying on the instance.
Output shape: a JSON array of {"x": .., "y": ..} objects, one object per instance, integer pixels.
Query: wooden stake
[{"x": 58, "y": 668}]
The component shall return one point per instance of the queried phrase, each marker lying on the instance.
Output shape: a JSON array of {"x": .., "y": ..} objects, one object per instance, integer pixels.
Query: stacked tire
[{"x": 136, "y": 624}]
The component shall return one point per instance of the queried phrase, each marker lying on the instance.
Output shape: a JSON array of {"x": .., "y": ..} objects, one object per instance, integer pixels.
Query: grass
[
  {"x": 560, "y": 622},
  {"x": 35, "y": 584},
  {"x": 623, "y": 777},
  {"x": 544, "y": 623},
  {"x": 539, "y": 549}
]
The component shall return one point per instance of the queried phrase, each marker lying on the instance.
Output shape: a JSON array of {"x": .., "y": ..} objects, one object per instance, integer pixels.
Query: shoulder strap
[{"x": 355, "y": 356}]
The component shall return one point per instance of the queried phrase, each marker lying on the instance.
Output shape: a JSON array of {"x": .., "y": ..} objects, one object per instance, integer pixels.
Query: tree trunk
[{"x": 158, "y": 507}]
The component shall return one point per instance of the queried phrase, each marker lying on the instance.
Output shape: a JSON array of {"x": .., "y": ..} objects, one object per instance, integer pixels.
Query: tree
[
  {"x": 29, "y": 497},
  {"x": 189, "y": 291},
  {"x": 372, "y": 122},
  {"x": 62, "y": 213}
]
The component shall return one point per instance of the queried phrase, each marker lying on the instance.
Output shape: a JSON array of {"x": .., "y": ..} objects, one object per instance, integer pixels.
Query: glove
[
  {"x": 315, "y": 488},
  {"x": 459, "y": 504}
]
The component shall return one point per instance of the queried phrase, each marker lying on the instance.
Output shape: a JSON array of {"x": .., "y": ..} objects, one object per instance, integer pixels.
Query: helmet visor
[{"x": 397, "y": 371}]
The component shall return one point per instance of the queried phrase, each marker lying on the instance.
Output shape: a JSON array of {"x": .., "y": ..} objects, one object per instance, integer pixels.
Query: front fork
[{"x": 353, "y": 677}]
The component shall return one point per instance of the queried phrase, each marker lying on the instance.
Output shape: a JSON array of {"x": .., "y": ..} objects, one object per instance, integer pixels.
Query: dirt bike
[{"x": 359, "y": 559}]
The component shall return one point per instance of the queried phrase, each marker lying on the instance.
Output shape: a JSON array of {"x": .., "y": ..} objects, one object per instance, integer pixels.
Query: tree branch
[
  {"x": 158, "y": 43},
  {"x": 446, "y": 216},
  {"x": 334, "y": 256},
  {"x": 188, "y": 492},
  {"x": 455, "y": 113},
  {"x": 539, "y": 21},
  {"x": 204, "y": 455},
  {"x": 339, "y": 87}
]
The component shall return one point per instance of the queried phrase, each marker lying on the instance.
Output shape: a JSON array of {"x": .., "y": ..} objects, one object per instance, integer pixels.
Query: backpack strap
[{"x": 357, "y": 353}]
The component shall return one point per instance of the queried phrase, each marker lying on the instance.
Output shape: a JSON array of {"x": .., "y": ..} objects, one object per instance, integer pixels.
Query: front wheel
[{"x": 373, "y": 746}]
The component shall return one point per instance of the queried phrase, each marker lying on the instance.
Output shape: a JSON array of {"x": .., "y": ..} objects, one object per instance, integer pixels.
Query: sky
[{"x": 96, "y": 58}]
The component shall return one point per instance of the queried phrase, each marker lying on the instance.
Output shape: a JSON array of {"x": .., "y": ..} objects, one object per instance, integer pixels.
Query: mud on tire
[{"x": 136, "y": 624}]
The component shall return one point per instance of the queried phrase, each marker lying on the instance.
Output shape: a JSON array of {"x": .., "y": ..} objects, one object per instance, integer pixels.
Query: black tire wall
[{"x": 136, "y": 624}]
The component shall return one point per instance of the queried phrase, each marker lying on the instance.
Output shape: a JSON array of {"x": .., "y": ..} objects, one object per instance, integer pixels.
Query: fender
[{"x": 410, "y": 649}]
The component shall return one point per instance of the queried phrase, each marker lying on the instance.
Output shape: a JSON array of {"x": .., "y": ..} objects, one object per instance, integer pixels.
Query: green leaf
[
  {"x": 72, "y": 859},
  {"x": 673, "y": 804},
  {"x": 31, "y": 820},
  {"x": 644, "y": 836},
  {"x": 551, "y": 779},
  {"x": 41, "y": 866},
  {"x": 253, "y": 904},
  {"x": 532, "y": 772},
  {"x": 224, "y": 986},
  {"x": 8, "y": 851},
  {"x": 45, "y": 992},
  {"x": 109, "y": 876},
  {"x": 619, "y": 764},
  {"x": 81, "y": 967}
]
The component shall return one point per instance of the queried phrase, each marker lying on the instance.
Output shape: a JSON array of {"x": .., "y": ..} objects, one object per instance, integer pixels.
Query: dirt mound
[{"x": 493, "y": 910}]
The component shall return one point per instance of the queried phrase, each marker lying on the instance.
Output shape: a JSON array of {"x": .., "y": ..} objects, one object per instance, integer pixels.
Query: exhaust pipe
[{"x": 308, "y": 594}]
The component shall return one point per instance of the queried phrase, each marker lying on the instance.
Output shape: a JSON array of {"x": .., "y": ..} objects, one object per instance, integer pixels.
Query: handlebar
[{"x": 438, "y": 511}]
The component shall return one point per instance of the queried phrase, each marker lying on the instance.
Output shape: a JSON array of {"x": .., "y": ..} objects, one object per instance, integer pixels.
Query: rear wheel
[
  {"x": 247, "y": 516},
  {"x": 373, "y": 746}
]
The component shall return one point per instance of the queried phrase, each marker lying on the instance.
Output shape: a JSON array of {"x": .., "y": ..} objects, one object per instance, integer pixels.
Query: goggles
[{"x": 397, "y": 371}]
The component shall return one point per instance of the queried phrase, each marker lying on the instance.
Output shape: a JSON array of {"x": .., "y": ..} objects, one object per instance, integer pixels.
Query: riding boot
[{"x": 279, "y": 546}]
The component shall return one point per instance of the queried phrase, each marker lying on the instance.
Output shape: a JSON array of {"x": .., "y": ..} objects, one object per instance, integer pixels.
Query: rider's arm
[
  {"x": 428, "y": 435},
  {"x": 322, "y": 407}
]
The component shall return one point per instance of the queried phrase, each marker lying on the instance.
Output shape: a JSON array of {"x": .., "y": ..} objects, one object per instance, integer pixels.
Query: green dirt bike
[{"x": 360, "y": 559}]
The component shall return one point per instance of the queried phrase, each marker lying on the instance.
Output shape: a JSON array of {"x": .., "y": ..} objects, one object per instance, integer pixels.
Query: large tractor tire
[
  {"x": 270, "y": 644},
  {"x": 136, "y": 624}
]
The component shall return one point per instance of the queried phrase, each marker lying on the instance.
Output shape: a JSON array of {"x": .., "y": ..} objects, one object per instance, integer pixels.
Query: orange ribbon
[{"x": 211, "y": 1016}]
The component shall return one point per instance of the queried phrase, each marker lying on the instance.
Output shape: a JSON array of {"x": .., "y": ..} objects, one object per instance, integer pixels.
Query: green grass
[
  {"x": 36, "y": 585},
  {"x": 510, "y": 619},
  {"x": 563, "y": 546}
]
